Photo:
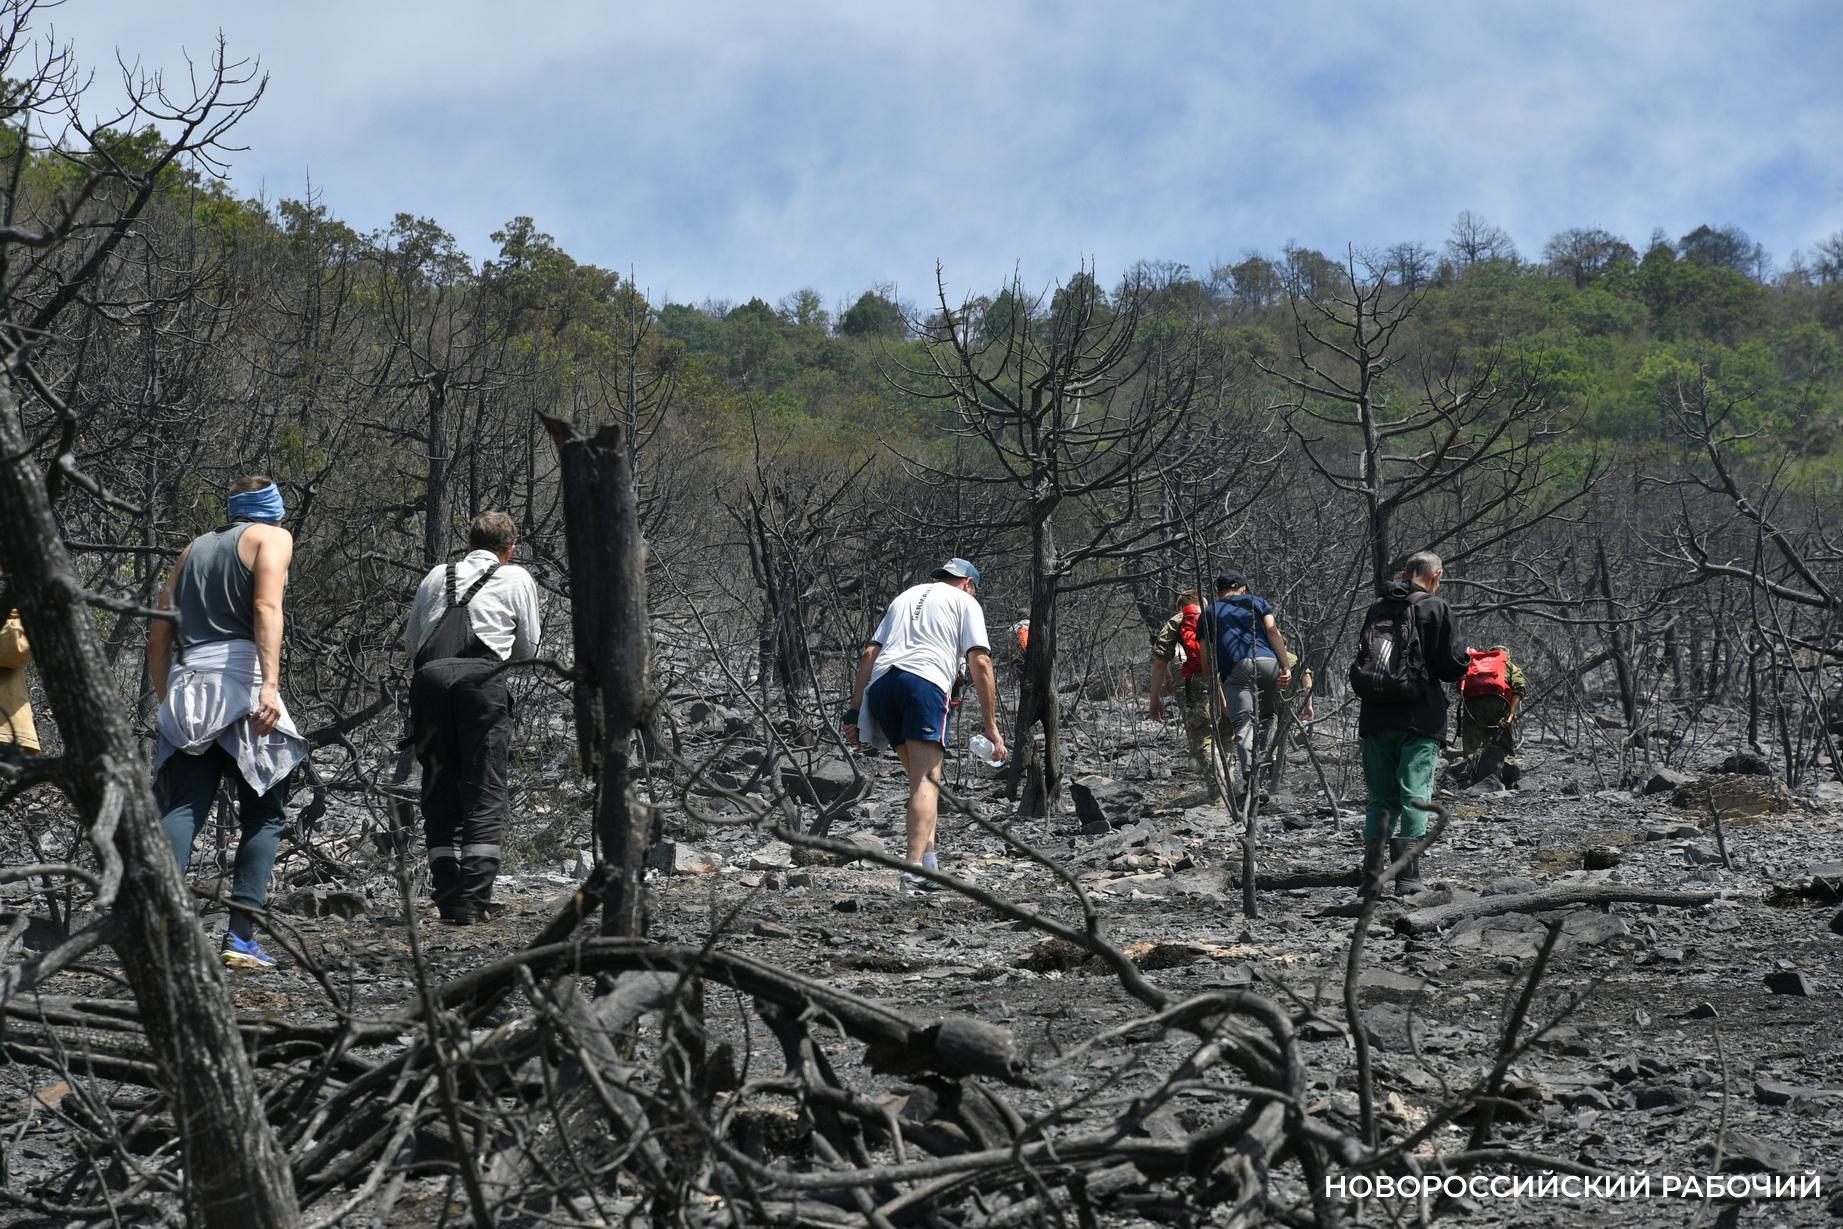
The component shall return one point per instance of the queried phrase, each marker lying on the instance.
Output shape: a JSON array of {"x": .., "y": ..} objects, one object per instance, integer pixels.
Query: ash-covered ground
[{"x": 1682, "y": 1030}]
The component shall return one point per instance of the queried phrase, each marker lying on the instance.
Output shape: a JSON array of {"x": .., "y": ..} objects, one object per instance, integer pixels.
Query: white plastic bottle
[{"x": 982, "y": 750}]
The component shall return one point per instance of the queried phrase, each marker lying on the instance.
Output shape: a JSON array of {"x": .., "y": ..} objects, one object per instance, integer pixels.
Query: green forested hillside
[{"x": 1608, "y": 342}]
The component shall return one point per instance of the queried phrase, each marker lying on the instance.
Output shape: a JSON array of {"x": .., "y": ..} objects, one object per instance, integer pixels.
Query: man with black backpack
[
  {"x": 469, "y": 616},
  {"x": 1408, "y": 648}
]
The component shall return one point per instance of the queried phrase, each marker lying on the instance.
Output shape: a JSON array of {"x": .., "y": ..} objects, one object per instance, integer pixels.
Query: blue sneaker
[{"x": 244, "y": 954}]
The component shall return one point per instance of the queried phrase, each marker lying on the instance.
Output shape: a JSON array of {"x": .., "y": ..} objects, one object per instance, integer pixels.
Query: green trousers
[{"x": 1397, "y": 768}]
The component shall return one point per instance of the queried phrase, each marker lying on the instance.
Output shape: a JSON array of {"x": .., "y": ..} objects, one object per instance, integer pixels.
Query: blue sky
[{"x": 728, "y": 150}]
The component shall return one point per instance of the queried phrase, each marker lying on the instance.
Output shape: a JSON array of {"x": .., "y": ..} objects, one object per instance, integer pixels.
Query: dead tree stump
[{"x": 607, "y": 560}]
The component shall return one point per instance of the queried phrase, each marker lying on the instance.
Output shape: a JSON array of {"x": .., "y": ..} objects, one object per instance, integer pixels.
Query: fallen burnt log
[
  {"x": 1290, "y": 881},
  {"x": 104, "y": 1037},
  {"x": 591, "y": 1083},
  {"x": 1420, "y": 921},
  {"x": 955, "y": 1046}
]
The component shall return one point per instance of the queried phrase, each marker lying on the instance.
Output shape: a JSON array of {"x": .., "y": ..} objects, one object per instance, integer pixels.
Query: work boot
[
  {"x": 476, "y": 880},
  {"x": 1408, "y": 880},
  {"x": 1372, "y": 865},
  {"x": 445, "y": 882},
  {"x": 1511, "y": 774},
  {"x": 1490, "y": 764}
]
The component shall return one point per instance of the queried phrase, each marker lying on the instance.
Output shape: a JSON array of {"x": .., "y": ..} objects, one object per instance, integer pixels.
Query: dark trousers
[
  {"x": 185, "y": 790},
  {"x": 461, "y": 713}
]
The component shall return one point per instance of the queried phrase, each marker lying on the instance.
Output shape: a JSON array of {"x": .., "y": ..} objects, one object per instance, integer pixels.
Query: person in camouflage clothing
[
  {"x": 1487, "y": 722},
  {"x": 1177, "y": 662}
]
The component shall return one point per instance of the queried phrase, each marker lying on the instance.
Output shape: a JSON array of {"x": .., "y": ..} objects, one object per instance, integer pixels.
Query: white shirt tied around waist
[
  {"x": 209, "y": 698},
  {"x": 504, "y": 614}
]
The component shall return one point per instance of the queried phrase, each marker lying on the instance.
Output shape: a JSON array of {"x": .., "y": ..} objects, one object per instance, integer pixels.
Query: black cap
[{"x": 1231, "y": 579}]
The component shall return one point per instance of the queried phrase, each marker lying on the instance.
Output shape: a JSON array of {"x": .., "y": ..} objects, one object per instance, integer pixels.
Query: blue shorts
[{"x": 908, "y": 708}]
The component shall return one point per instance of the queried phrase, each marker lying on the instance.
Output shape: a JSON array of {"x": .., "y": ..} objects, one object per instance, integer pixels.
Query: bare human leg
[{"x": 922, "y": 761}]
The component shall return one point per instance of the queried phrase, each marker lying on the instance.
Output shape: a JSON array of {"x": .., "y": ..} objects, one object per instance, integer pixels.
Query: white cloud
[{"x": 731, "y": 149}]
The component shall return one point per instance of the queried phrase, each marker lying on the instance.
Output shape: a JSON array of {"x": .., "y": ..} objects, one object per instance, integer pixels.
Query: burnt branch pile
[{"x": 596, "y": 1078}]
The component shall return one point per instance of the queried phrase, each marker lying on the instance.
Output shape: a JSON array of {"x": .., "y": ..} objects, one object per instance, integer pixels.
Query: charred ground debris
[{"x": 706, "y": 1003}]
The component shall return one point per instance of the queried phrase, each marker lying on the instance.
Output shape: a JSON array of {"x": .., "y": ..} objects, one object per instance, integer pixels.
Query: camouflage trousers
[
  {"x": 1485, "y": 722},
  {"x": 1201, "y": 733}
]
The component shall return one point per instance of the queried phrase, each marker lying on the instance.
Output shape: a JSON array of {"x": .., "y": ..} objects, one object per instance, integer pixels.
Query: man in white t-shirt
[{"x": 900, "y": 697}]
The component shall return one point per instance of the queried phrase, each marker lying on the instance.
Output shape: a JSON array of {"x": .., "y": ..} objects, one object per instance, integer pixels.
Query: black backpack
[
  {"x": 1391, "y": 666},
  {"x": 454, "y": 634}
]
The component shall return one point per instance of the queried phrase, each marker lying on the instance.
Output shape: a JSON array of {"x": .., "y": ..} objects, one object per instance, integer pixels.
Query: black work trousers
[{"x": 461, "y": 712}]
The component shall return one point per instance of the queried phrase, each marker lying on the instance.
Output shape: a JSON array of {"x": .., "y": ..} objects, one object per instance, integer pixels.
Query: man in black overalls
[{"x": 469, "y": 618}]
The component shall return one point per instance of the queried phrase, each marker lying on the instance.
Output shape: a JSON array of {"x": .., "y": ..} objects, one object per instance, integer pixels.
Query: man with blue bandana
[{"x": 221, "y": 708}]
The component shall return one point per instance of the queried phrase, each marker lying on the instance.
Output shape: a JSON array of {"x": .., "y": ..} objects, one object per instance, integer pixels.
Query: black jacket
[{"x": 1444, "y": 651}]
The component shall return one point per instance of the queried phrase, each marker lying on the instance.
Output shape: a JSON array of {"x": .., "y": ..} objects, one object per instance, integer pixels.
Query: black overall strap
[{"x": 471, "y": 589}]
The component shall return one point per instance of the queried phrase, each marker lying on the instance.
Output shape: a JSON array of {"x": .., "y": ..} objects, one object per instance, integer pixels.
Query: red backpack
[
  {"x": 1487, "y": 674},
  {"x": 1187, "y": 636}
]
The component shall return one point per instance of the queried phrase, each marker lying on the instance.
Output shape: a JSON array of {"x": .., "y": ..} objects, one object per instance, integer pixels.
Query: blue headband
[{"x": 264, "y": 505}]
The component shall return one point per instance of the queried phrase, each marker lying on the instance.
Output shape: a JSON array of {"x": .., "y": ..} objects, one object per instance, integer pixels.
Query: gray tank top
[{"x": 216, "y": 593}]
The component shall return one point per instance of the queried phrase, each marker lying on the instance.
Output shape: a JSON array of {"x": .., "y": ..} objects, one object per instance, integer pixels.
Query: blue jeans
[{"x": 187, "y": 787}]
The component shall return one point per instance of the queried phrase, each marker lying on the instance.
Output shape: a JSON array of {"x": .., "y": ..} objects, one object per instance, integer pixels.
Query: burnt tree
[
  {"x": 51, "y": 255},
  {"x": 1458, "y": 440},
  {"x": 607, "y": 558},
  {"x": 1085, "y": 410},
  {"x": 1784, "y": 570}
]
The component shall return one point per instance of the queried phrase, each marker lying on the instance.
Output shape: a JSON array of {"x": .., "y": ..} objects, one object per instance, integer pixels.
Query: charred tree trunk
[
  {"x": 1782, "y": 720},
  {"x": 1718, "y": 659},
  {"x": 607, "y": 558},
  {"x": 781, "y": 635},
  {"x": 1673, "y": 659},
  {"x": 1698, "y": 664},
  {"x": 1377, "y": 509},
  {"x": 435, "y": 487},
  {"x": 236, "y": 1174},
  {"x": 1039, "y": 774},
  {"x": 1753, "y": 698},
  {"x": 1615, "y": 642}
]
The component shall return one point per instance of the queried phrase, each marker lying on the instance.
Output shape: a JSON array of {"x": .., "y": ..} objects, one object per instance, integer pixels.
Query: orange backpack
[
  {"x": 1187, "y": 636},
  {"x": 1487, "y": 675}
]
